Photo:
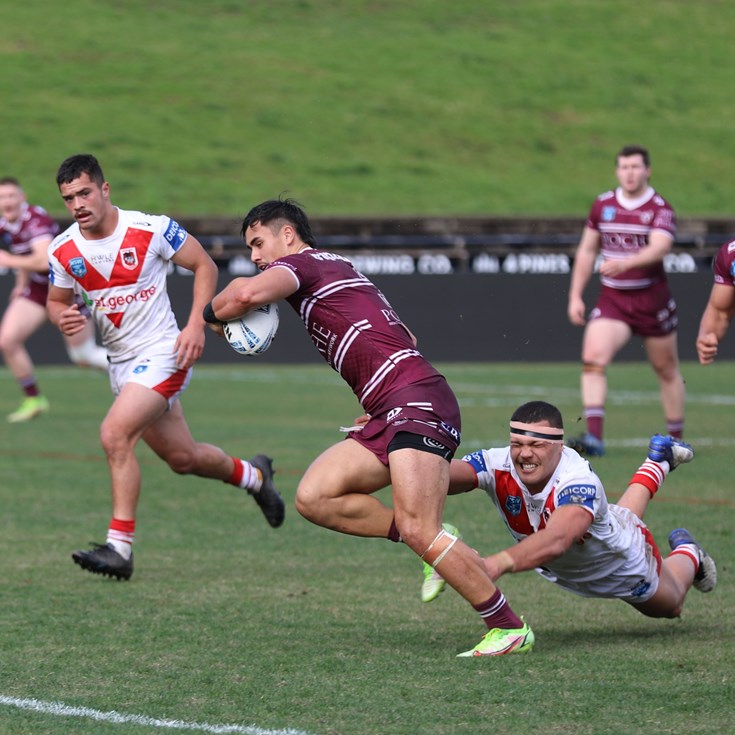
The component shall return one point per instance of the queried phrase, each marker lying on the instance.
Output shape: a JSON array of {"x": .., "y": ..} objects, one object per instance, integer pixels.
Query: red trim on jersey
[
  {"x": 93, "y": 280},
  {"x": 172, "y": 385},
  {"x": 654, "y": 548},
  {"x": 505, "y": 488}
]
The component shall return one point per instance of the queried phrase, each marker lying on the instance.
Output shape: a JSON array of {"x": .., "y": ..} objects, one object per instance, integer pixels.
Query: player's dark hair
[
  {"x": 534, "y": 412},
  {"x": 634, "y": 150},
  {"x": 81, "y": 163},
  {"x": 277, "y": 212},
  {"x": 10, "y": 180}
]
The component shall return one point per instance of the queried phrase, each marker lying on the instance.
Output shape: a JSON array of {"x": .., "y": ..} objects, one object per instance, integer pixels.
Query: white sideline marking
[{"x": 64, "y": 710}]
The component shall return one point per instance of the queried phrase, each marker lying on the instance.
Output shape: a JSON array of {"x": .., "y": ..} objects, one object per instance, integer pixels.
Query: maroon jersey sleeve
[{"x": 723, "y": 265}]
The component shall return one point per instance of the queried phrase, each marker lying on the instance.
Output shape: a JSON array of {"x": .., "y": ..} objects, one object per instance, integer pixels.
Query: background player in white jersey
[
  {"x": 555, "y": 507},
  {"x": 634, "y": 228},
  {"x": 28, "y": 230},
  {"x": 119, "y": 259},
  {"x": 414, "y": 425},
  {"x": 720, "y": 308}
]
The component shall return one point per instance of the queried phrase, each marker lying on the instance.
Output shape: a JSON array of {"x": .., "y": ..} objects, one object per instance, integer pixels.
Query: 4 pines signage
[{"x": 482, "y": 263}]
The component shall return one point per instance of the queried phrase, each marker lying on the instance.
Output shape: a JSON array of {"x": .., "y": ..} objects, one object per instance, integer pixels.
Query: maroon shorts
[
  {"x": 428, "y": 409},
  {"x": 649, "y": 312},
  {"x": 37, "y": 293}
]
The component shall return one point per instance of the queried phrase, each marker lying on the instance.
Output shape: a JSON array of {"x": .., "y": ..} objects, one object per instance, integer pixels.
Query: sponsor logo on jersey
[
  {"x": 449, "y": 429},
  {"x": 392, "y": 414},
  {"x": 732, "y": 268},
  {"x": 99, "y": 258},
  {"x": 477, "y": 460},
  {"x": 78, "y": 267},
  {"x": 175, "y": 234},
  {"x": 640, "y": 589},
  {"x": 117, "y": 301},
  {"x": 577, "y": 495},
  {"x": 513, "y": 505},
  {"x": 608, "y": 214},
  {"x": 646, "y": 216},
  {"x": 129, "y": 257}
]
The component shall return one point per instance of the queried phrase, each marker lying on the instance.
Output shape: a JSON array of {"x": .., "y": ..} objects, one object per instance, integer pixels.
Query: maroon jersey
[
  {"x": 724, "y": 264},
  {"x": 354, "y": 328},
  {"x": 624, "y": 226},
  {"x": 33, "y": 223}
]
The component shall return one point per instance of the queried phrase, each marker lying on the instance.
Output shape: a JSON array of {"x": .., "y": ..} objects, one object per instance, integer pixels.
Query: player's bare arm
[
  {"x": 715, "y": 322},
  {"x": 192, "y": 256},
  {"x": 34, "y": 262},
  {"x": 584, "y": 263},
  {"x": 566, "y": 526},
  {"x": 63, "y": 312},
  {"x": 462, "y": 477},
  {"x": 242, "y": 295}
]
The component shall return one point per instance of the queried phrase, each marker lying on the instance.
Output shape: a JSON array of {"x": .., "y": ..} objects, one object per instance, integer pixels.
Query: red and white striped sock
[
  {"x": 120, "y": 536},
  {"x": 690, "y": 551},
  {"x": 245, "y": 475},
  {"x": 651, "y": 474}
]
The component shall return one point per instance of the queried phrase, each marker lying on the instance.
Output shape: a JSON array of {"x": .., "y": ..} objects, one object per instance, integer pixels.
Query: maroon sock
[{"x": 496, "y": 612}]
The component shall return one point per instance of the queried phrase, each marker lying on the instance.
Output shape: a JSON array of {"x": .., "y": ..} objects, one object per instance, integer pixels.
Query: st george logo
[{"x": 129, "y": 257}]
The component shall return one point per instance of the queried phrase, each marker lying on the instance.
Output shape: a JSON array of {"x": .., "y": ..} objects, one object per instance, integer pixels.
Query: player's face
[
  {"x": 632, "y": 174},
  {"x": 11, "y": 201},
  {"x": 88, "y": 203},
  {"x": 267, "y": 245},
  {"x": 535, "y": 459}
]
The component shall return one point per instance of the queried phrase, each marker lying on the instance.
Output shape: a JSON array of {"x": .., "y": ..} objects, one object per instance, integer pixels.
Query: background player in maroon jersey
[
  {"x": 720, "y": 307},
  {"x": 28, "y": 231},
  {"x": 413, "y": 428},
  {"x": 634, "y": 228}
]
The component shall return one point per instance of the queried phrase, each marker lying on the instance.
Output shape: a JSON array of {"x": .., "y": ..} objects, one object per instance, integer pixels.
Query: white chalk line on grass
[{"x": 64, "y": 710}]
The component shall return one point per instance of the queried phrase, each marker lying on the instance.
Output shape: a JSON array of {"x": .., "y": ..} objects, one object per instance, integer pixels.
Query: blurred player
[
  {"x": 634, "y": 228},
  {"x": 721, "y": 305},
  {"x": 414, "y": 425},
  {"x": 120, "y": 259},
  {"x": 28, "y": 231},
  {"x": 555, "y": 508}
]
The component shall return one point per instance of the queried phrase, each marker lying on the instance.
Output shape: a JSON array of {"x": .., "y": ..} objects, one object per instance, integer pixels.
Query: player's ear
[{"x": 288, "y": 233}]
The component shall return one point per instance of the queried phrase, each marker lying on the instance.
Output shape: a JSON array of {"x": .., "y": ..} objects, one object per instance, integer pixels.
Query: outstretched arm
[{"x": 566, "y": 526}]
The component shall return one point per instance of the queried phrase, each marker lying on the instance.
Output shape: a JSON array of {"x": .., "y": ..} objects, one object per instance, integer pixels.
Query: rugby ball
[{"x": 252, "y": 333}]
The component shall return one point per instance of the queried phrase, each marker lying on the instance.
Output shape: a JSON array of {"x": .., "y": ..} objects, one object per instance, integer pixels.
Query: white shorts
[
  {"x": 629, "y": 566},
  {"x": 155, "y": 369}
]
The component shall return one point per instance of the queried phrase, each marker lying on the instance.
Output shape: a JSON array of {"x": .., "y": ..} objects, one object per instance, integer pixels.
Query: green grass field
[
  {"x": 229, "y": 626},
  {"x": 423, "y": 107}
]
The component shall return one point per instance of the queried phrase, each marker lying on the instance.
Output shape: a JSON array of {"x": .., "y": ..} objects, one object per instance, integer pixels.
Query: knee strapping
[
  {"x": 591, "y": 367},
  {"x": 450, "y": 539}
]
